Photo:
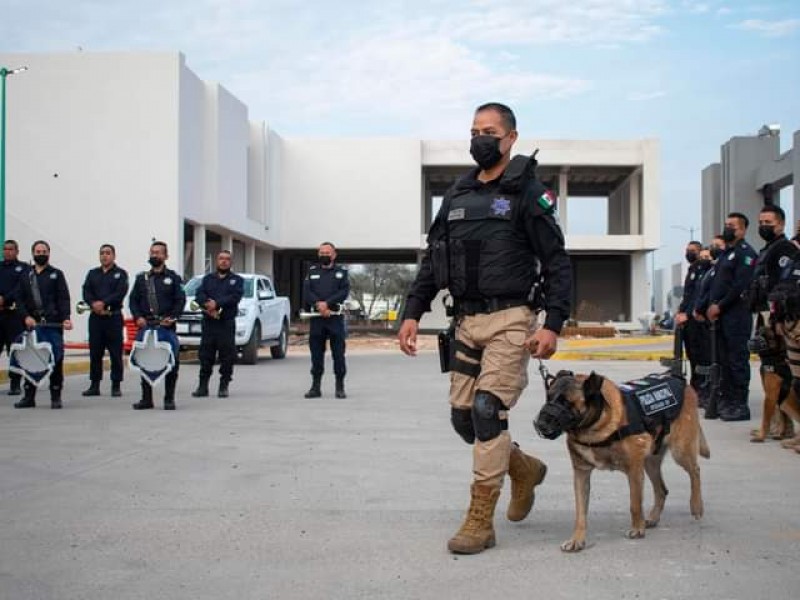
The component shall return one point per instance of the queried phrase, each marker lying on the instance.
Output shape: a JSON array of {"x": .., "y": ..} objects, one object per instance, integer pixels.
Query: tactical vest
[
  {"x": 784, "y": 299},
  {"x": 489, "y": 254}
]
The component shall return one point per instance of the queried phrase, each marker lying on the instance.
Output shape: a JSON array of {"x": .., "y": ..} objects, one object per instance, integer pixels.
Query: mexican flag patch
[
  {"x": 748, "y": 260},
  {"x": 547, "y": 201}
]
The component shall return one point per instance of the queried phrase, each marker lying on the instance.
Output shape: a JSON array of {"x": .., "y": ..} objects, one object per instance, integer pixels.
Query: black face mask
[
  {"x": 223, "y": 271},
  {"x": 325, "y": 261},
  {"x": 41, "y": 259},
  {"x": 485, "y": 150},
  {"x": 716, "y": 252},
  {"x": 703, "y": 263},
  {"x": 728, "y": 235},
  {"x": 155, "y": 262},
  {"x": 767, "y": 232},
  {"x": 691, "y": 257}
]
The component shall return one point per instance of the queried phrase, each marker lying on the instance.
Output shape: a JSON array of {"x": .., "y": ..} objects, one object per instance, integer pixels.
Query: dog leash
[{"x": 547, "y": 377}]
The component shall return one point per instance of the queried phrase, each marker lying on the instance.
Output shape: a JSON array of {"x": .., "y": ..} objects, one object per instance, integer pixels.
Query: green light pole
[{"x": 4, "y": 73}]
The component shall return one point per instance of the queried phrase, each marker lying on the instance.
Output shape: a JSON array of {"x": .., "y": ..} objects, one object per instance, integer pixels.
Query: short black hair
[
  {"x": 695, "y": 243},
  {"x": 37, "y": 242},
  {"x": 506, "y": 114},
  {"x": 328, "y": 244},
  {"x": 719, "y": 237},
  {"x": 12, "y": 243},
  {"x": 741, "y": 216},
  {"x": 162, "y": 244},
  {"x": 110, "y": 247},
  {"x": 775, "y": 210}
]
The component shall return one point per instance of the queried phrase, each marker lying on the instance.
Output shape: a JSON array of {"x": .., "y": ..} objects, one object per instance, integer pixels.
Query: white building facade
[{"x": 125, "y": 148}]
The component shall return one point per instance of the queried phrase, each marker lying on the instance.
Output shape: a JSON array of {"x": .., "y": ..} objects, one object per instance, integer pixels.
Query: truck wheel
[
  {"x": 250, "y": 349},
  {"x": 279, "y": 351}
]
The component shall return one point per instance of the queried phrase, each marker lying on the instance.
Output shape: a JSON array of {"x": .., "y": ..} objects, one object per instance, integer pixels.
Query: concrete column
[
  {"x": 796, "y": 176},
  {"x": 635, "y": 203},
  {"x": 249, "y": 257},
  {"x": 199, "y": 261},
  {"x": 227, "y": 242},
  {"x": 563, "y": 193}
]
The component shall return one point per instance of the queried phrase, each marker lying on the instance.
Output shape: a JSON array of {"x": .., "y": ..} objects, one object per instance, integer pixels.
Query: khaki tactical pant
[
  {"x": 791, "y": 335},
  {"x": 504, "y": 372}
]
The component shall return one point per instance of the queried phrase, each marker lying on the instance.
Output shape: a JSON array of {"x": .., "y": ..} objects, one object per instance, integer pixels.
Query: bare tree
[{"x": 376, "y": 283}]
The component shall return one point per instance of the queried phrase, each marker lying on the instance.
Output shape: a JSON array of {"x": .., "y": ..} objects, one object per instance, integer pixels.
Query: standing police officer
[
  {"x": 44, "y": 303},
  {"x": 493, "y": 239},
  {"x": 104, "y": 290},
  {"x": 11, "y": 325},
  {"x": 158, "y": 299},
  {"x": 727, "y": 305},
  {"x": 325, "y": 288},
  {"x": 219, "y": 294},
  {"x": 692, "y": 329}
]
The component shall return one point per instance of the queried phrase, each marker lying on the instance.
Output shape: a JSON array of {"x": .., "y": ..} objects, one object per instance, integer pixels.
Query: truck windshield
[{"x": 191, "y": 286}]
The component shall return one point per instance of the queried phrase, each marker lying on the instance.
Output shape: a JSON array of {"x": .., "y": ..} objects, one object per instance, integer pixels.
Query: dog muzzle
[{"x": 554, "y": 419}]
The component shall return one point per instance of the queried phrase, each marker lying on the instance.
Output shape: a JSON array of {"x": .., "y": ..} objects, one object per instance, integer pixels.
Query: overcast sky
[{"x": 691, "y": 74}]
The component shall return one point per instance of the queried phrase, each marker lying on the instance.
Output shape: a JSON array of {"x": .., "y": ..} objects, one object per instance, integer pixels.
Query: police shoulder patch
[
  {"x": 339, "y": 275},
  {"x": 547, "y": 201},
  {"x": 168, "y": 281},
  {"x": 53, "y": 275},
  {"x": 18, "y": 269},
  {"x": 748, "y": 260},
  {"x": 233, "y": 281},
  {"x": 731, "y": 255},
  {"x": 117, "y": 275},
  {"x": 783, "y": 261}
]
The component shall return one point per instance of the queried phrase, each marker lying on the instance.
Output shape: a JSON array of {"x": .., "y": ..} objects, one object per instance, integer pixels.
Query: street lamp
[
  {"x": 4, "y": 73},
  {"x": 690, "y": 230}
]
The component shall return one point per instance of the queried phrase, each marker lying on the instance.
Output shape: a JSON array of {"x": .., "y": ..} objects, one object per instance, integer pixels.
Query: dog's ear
[{"x": 592, "y": 384}]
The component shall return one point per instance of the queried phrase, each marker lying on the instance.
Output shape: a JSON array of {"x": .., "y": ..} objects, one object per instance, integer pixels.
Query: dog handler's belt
[{"x": 487, "y": 305}]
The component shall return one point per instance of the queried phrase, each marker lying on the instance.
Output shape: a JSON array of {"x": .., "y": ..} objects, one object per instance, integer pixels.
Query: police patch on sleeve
[
  {"x": 783, "y": 261},
  {"x": 748, "y": 260},
  {"x": 18, "y": 269},
  {"x": 53, "y": 275},
  {"x": 168, "y": 281},
  {"x": 117, "y": 275},
  {"x": 339, "y": 274},
  {"x": 233, "y": 281}
]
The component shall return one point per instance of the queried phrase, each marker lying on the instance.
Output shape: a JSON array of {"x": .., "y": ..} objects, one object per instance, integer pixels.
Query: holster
[{"x": 447, "y": 338}]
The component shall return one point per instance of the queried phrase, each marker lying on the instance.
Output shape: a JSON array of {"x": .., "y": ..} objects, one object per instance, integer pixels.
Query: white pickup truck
[{"x": 262, "y": 320}]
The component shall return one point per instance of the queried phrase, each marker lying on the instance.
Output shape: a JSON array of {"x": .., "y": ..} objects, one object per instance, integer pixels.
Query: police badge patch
[{"x": 500, "y": 206}]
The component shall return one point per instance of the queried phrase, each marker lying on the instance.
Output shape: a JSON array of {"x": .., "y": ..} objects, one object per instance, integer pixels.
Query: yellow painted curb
[{"x": 603, "y": 342}]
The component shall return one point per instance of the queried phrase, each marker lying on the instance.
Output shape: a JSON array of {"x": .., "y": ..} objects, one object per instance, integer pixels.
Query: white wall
[
  {"x": 92, "y": 156},
  {"x": 356, "y": 193}
]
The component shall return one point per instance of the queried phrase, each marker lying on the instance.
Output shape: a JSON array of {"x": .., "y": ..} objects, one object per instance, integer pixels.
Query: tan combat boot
[
  {"x": 477, "y": 531},
  {"x": 526, "y": 472}
]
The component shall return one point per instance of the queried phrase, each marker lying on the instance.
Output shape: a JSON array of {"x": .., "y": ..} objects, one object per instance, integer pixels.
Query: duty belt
[{"x": 487, "y": 305}]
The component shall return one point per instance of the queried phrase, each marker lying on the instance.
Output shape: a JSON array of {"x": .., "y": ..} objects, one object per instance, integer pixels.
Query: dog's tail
[{"x": 705, "y": 452}]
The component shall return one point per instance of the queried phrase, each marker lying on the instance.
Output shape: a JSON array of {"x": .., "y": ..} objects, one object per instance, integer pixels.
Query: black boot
[
  {"x": 340, "y": 388},
  {"x": 14, "y": 380},
  {"x": 29, "y": 399},
  {"x": 147, "y": 398},
  {"x": 315, "y": 391},
  {"x": 93, "y": 390},
  {"x": 55, "y": 398},
  {"x": 116, "y": 391},
  {"x": 169, "y": 391},
  {"x": 223, "y": 388},
  {"x": 202, "y": 387}
]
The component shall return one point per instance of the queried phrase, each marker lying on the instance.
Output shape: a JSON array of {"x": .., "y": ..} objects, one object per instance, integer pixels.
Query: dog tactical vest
[{"x": 652, "y": 403}]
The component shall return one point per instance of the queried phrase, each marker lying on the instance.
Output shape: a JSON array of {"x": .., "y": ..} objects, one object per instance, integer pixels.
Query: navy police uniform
[
  {"x": 106, "y": 329},
  {"x": 11, "y": 324},
  {"x": 332, "y": 286},
  {"x": 170, "y": 300},
  {"x": 734, "y": 273},
  {"x": 694, "y": 332},
  {"x": 219, "y": 331},
  {"x": 51, "y": 314}
]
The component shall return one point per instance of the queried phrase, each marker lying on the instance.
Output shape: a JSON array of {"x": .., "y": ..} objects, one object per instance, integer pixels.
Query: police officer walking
[
  {"x": 324, "y": 290},
  {"x": 693, "y": 330},
  {"x": 44, "y": 304},
  {"x": 158, "y": 299},
  {"x": 494, "y": 238},
  {"x": 104, "y": 290},
  {"x": 219, "y": 294},
  {"x": 734, "y": 271},
  {"x": 11, "y": 325}
]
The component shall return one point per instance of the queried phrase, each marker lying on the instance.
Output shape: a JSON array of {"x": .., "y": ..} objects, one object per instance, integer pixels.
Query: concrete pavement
[{"x": 268, "y": 495}]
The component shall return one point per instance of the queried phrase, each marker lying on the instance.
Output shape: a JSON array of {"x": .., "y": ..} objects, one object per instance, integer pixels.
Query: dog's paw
[
  {"x": 696, "y": 509},
  {"x": 757, "y": 439},
  {"x": 573, "y": 545},
  {"x": 634, "y": 534},
  {"x": 650, "y": 523}
]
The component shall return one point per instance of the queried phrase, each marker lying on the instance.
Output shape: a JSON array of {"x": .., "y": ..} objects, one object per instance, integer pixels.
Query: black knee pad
[
  {"x": 486, "y": 416},
  {"x": 461, "y": 418}
]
